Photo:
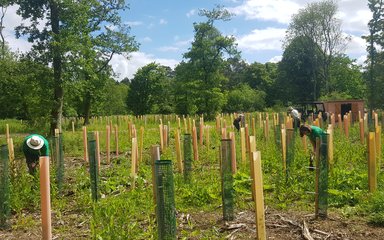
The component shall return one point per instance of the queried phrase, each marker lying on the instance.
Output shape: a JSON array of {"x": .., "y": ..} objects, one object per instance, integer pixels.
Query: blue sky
[{"x": 164, "y": 29}]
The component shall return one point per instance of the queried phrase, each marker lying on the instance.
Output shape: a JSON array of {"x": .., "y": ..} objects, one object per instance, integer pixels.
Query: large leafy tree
[
  {"x": 150, "y": 90},
  {"x": 347, "y": 78},
  {"x": 297, "y": 72},
  {"x": 79, "y": 39},
  {"x": 244, "y": 98},
  {"x": 375, "y": 40},
  {"x": 318, "y": 23},
  {"x": 23, "y": 83},
  {"x": 199, "y": 79}
]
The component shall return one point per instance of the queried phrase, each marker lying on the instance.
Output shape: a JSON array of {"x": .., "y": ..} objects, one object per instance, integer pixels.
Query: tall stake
[{"x": 45, "y": 193}]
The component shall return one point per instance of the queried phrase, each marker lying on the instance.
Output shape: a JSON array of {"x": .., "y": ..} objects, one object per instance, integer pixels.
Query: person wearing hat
[
  {"x": 34, "y": 146},
  {"x": 238, "y": 120},
  {"x": 312, "y": 132},
  {"x": 295, "y": 115}
]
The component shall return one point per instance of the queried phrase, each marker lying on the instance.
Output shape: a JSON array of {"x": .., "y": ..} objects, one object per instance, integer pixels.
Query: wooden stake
[
  {"x": 11, "y": 150},
  {"x": 284, "y": 148},
  {"x": 361, "y": 125},
  {"x": 242, "y": 145},
  {"x": 195, "y": 147},
  {"x": 117, "y": 140},
  {"x": 161, "y": 138},
  {"x": 155, "y": 155},
  {"x": 223, "y": 133},
  {"x": 259, "y": 200},
  {"x": 141, "y": 143},
  {"x": 254, "y": 126},
  {"x": 133, "y": 161},
  {"x": 233, "y": 152},
  {"x": 346, "y": 127},
  {"x": 98, "y": 149},
  {"x": 252, "y": 141},
  {"x": 378, "y": 145},
  {"x": 85, "y": 143},
  {"x": 201, "y": 132},
  {"x": 45, "y": 193},
  {"x": 246, "y": 138},
  {"x": 178, "y": 151},
  {"x": 108, "y": 144},
  {"x": 372, "y": 174},
  {"x": 7, "y": 131}
]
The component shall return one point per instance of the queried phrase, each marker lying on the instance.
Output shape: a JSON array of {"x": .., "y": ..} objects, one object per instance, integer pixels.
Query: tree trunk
[
  {"x": 87, "y": 108},
  {"x": 3, "y": 10},
  {"x": 57, "y": 108}
]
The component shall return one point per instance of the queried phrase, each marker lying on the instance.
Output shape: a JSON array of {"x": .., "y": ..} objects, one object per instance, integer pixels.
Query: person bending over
[
  {"x": 34, "y": 146},
  {"x": 312, "y": 132}
]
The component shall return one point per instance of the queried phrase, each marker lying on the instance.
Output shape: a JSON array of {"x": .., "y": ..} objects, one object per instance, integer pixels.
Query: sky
[{"x": 164, "y": 29}]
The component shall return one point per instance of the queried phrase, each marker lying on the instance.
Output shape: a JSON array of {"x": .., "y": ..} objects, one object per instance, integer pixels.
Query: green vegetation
[{"x": 123, "y": 212}]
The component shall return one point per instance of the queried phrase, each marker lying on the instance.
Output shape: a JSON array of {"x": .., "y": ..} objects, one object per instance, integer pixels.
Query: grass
[{"x": 123, "y": 212}]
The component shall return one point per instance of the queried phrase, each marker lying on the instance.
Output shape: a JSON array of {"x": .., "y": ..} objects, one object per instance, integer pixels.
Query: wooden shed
[{"x": 344, "y": 106}]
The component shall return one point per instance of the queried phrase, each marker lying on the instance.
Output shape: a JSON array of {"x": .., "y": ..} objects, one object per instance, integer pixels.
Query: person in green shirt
[
  {"x": 312, "y": 132},
  {"x": 34, "y": 146}
]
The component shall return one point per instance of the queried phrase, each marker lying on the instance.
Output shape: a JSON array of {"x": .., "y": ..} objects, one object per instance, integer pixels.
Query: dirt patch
[{"x": 283, "y": 226}]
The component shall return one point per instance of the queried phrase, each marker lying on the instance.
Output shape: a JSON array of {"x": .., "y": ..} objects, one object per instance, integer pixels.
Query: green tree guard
[
  {"x": 290, "y": 140},
  {"x": 323, "y": 177},
  {"x": 4, "y": 187},
  {"x": 187, "y": 157},
  {"x": 227, "y": 180},
  {"x": 60, "y": 162},
  {"x": 93, "y": 169},
  {"x": 278, "y": 136},
  {"x": 165, "y": 200}
]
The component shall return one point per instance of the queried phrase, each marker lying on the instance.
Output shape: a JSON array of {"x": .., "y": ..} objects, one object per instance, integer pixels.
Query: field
[{"x": 127, "y": 212}]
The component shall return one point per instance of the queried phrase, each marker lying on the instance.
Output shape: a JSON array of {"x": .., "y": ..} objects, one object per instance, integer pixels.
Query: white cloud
[
  {"x": 127, "y": 68},
  {"x": 357, "y": 45},
  {"x": 277, "y": 10},
  {"x": 191, "y": 13},
  {"x": 262, "y": 39},
  {"x": 355, "y": 15},
  {"x": 168, "y": 49},
  {"x": 134, "y": 23},
  {"x": 276, "y": 59},
  {"x": 12, "y": 20},
  {"x": 361, "y": 60}
]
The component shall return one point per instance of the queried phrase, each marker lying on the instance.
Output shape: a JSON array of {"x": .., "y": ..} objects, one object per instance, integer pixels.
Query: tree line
[{"x": 67, "y": 71}]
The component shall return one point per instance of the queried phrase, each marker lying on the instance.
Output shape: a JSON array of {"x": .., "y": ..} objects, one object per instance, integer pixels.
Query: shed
[{"x": 344, "y": 106}]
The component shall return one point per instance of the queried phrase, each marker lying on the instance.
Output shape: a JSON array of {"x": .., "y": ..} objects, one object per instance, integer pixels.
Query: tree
[
  {"x": 3, "y": 9},
  {"x": 23, "y": 85},
  {"x": 375, "y": 42},
  {"x": 319, "y": 24},
  {"x": 200, "y": 79},
  {"x": 235, "y": 70},
  {"x": 346, "y": 78},
  {"x": 244, "y": 98},
  {"x": 150, "y": 90},
  {"x": 297, "y": 72},
  {"x": 78, "y": 39}
]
